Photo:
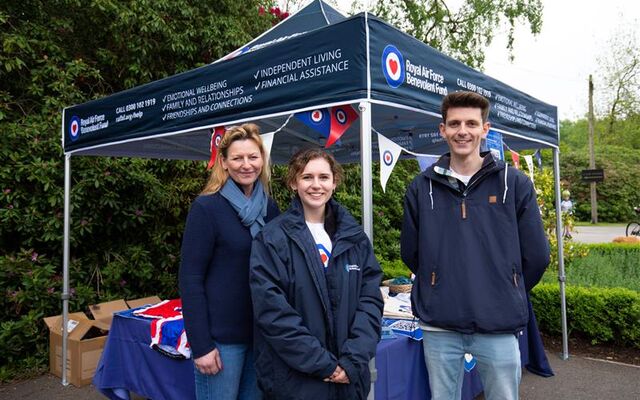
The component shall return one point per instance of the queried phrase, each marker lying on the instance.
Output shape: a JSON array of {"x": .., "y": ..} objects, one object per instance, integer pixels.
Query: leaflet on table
[{"x": 398, "y": 306}]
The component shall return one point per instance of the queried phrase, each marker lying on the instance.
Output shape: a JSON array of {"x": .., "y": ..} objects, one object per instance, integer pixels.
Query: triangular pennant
[
  {"x": 426, "y": 161},
  {"x": 389, "y": 154},
  {"x": 319, "y": 120},
  {"x": 538, "y": 156},
  {"x": 216, "y": 137},
  {"x": 267, "y": 142},
  {"x": 529, "y": 160},
  {"x": 516, "y": 159},
  {"x": 341, "y": 119}
]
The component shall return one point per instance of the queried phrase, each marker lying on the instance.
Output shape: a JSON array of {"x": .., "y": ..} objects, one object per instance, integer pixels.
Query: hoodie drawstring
[
  {"x": 506, "y": 187},
  {"x": 431, "y": 193}
]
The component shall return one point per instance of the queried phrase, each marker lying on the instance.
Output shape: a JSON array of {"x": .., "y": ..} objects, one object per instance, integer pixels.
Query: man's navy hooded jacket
[
  {"x": 476, "y": 250},
  {"x": 308, "y": 320}
]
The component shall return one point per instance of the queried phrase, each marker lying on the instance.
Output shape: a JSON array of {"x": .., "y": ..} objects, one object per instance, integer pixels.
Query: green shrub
[
  {"x": 605, "y": 265},
  {"x": 600, "y": 314},
  {"x": 394, "y": 269},
  {"x": 607, "y": 249},
  {"x": 545, "y": 190}
]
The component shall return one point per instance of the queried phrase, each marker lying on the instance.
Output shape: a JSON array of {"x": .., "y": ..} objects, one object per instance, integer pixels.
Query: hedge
[
  {"x": 603, "y": 315},
  {"x": 608, "y": 249}
]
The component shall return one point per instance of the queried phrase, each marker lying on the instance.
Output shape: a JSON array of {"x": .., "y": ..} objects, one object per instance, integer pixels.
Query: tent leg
[
  {"x": 561, "y": 274},
  {"x": 65, "y": 265},
  {"x": 365, "y": 162},
  {"x": 367, "y": 199}
]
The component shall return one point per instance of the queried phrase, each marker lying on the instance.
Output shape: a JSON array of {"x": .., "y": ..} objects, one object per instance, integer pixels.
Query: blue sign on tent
[{"x": 494, "y": 144}]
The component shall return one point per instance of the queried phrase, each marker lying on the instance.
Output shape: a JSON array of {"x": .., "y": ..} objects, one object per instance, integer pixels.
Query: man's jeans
[
  {"x": 236, "y": 380},
  {"x": 498, "y": 363}
]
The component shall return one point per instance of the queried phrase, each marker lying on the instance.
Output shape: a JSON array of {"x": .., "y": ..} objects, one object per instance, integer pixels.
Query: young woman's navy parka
[{"x": 310, "y": 320}]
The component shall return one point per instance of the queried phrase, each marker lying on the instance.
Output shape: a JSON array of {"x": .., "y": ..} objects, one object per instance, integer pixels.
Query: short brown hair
[
  {"x": 465, "y": 99},
  {"x": 302, "y": 157},
  {"x": 219, "y": 175}
]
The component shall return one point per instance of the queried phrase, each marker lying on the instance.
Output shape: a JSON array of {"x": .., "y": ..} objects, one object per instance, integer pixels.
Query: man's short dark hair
[{"x": 465, "y": 99}]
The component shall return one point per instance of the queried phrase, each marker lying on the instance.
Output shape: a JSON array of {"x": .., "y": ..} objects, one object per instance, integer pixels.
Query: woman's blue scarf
[{"x": 250, "y": 210}]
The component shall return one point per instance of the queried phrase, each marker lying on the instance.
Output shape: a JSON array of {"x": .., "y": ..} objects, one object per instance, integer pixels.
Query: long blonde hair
[{"x": 219, "y": 175}]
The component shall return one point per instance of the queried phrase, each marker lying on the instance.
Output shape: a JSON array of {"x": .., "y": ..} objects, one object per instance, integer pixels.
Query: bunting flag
[
  {"x": 389, "y": 154},
  {"x": 426, "y": 161},
  {"x": 494, "y": 144},
  {"x": 318, "y": 120},
  {"x": 267, "y": 142},
  {"x": 516, "y": 159},
  {"x": 216, "y": 136},
  {"x": 341, "y": 119},
  {"x": 538, "y": 155},
  {"x": 330, "y": 122},
  {"x": 529, "y": 160}
]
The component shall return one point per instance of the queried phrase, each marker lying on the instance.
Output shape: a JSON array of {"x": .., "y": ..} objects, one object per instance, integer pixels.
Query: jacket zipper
[
  {"x": 463, "y": 207},
  {"x": 433, "y": 278}
]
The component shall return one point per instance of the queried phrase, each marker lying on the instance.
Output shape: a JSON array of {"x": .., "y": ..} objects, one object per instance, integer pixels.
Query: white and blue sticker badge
[{"x": 469, "y": 362}]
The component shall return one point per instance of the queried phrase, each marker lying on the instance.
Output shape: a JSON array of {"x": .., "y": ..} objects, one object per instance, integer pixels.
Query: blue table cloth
[{"x": 129, "y": 364}]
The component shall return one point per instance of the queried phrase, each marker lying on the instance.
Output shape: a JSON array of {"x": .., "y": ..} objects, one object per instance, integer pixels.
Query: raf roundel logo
[
  {"x": 341, "y": 116},
  {"x": 74, "y": 128},
  {"x": 393, "y": 66},
  {"x": 316, "y": 116},
  {"x": 218, "y": 140},
  {"x": 387, "y": 158}
]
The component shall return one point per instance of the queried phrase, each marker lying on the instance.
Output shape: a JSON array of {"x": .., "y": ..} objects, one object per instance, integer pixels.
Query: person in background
[
  {"x": 214, "y": 270},
  {"x": 566, "y": 206},
  {"x": 473, "y": 236},
  {"x": 315, "y": 288}
]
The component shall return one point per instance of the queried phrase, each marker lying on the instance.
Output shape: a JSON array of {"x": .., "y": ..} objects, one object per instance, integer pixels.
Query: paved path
[
  {"x": 584, "y": 379},
  {"x": 597, "y": 234},
  {"x": 576, "y": 378}
]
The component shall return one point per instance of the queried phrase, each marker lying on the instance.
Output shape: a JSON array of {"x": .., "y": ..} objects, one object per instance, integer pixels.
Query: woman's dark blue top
[{"x": 214, "y": 274}]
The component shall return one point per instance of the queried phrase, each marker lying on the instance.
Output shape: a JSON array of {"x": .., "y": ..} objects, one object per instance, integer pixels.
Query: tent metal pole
[
  {"x": 561, "y": 275},
  {"x": 367, "y": 199},
  {"x": 365, "y": 162},
  {"x": 65, "y": 265}
]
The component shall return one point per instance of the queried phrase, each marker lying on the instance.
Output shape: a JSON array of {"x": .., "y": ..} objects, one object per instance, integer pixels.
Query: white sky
[{"x": 555, "y": 65}]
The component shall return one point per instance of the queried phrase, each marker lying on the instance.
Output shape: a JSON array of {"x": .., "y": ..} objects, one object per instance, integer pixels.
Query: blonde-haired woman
[{"x": 214, "y": 270}]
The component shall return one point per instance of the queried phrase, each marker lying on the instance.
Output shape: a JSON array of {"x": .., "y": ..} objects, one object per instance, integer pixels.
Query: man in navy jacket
[{"x": 473, "y": 236}]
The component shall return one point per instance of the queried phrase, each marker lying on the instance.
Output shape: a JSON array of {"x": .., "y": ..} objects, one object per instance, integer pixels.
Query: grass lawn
[{"x": 618, "y": 269}]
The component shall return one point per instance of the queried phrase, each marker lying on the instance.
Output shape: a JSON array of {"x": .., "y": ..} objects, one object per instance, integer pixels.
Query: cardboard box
[
  {"x": 82, "y": 354},
  {"x": 103, "y": 312},
  {"x": 143, "y": 301},
  {"x": 86, "y": 339}
]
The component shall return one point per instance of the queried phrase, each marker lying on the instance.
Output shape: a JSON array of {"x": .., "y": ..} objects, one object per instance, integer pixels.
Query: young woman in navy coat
[{"x": 315, "y": 287}]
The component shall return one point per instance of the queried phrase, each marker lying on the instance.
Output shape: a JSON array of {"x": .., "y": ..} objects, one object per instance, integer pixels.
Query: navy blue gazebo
[{"x": 315, "y": 59}]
